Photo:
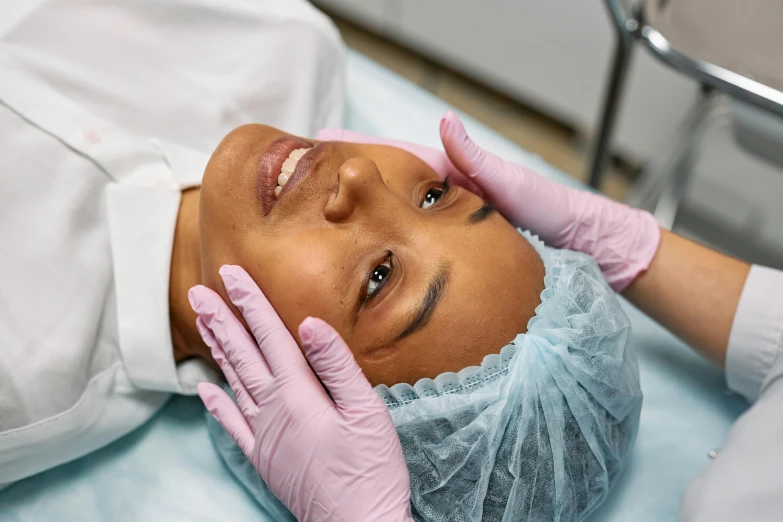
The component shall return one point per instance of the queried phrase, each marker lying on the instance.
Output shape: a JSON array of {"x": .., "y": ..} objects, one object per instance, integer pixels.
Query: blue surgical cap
[{"x": 538, "y": 432}]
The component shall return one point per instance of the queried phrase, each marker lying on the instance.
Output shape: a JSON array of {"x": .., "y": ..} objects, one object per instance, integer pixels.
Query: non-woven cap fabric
[
  {"x": 541, "y": 430},
  {"x": 538, "y": 432}
]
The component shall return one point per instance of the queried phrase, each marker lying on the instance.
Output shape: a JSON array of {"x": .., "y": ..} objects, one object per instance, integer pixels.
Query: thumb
[
  {"x": 503, "y": 184},
  {"x": 335, "y": 365},
  {"x": 228, "y": 414},
  {"x": 468, "y": 157}
]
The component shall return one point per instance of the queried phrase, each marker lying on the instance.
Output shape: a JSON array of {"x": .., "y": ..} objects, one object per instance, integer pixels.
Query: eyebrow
[
  {"x": 477, "y": 216},
  {"x": 434, "y": 292}
]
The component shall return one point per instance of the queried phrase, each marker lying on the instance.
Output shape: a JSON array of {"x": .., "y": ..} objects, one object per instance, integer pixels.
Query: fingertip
[
  {"x": 444, "y": 124},
  {"x": 192, "y": 300},
  {"x": 229, "y": 274},
  {"x": 450, "y": 124},
  {"x": 236, "y": 281},
  {"x": 195, "y": 298},
  {"x": 209, "y": 394},
  {"x": 227, "y": 270},
  {"x": 306, "y": 330},
  {"x": 204, "y": 388},
  {"x": 309, "y": 329},
  {"x": 204, "y": 302}
]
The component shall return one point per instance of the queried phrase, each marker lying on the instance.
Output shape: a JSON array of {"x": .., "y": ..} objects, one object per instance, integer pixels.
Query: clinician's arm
[
  {"x": 693, "y": 291},
  {"x": 730, "y": 312},
  {"x": 325, "y": 446},
  {"x": 745, "y": 482}
]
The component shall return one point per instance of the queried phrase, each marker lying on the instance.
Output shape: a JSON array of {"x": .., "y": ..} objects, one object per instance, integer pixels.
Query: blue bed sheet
[{"x": 169, "y": 470}]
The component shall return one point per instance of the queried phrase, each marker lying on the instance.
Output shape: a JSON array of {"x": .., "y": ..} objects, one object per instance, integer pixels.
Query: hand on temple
[
  {"x": 327, "y": 449},
  {"x": 621, "y": 239}
]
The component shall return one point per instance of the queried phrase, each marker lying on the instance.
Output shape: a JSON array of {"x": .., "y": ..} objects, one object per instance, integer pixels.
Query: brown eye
[
  {"x": 432, "y": 197},
  {"x": 378, "y": 278}
]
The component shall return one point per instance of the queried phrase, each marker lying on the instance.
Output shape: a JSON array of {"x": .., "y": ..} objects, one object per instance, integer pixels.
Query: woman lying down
[{"x": 506, "y": 365}]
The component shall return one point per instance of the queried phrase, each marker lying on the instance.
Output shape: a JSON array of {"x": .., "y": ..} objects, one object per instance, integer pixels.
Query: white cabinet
[{"x": 552, "y": 54}]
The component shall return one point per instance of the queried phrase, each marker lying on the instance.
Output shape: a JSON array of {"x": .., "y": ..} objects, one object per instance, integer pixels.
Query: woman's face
[{"x": 418, "y": 278}]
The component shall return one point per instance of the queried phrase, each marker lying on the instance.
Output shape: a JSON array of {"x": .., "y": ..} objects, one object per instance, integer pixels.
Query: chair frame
[{"x": 630, "y": 25}]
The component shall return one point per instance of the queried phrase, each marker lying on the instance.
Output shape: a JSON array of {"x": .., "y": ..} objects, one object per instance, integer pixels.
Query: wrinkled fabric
[{"x": 541, "y": 430}]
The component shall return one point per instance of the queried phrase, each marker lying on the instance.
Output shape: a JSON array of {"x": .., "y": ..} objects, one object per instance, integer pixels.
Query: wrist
[
  {"x": 623, "y": 240},
  {"x": 630, "y": 250}
]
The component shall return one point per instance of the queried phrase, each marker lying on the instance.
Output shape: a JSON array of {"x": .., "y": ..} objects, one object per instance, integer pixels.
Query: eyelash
[{"x": 444, "y": 187}]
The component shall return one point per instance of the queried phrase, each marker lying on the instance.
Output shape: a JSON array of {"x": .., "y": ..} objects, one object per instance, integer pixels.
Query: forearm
[{"x": 693, "y": 291}]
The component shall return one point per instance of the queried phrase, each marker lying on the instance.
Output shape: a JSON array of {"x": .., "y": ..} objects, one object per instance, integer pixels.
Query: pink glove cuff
[{"x": 623, "y": 241}]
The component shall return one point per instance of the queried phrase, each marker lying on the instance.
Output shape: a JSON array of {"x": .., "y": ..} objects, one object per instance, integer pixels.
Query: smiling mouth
[
  {"x": 288, "y": 168},
  {"x": 276, "y": 161}
]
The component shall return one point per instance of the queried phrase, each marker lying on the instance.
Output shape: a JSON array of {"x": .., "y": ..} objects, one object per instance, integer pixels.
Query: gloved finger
[
  {"x": 246, "y": 403},
  {"x": 276, "y": 343},
  {"x": 435, "y": 158},
  {"x": 238, "y": 345},
  {"x": 223, "y": 409},
  {"x": 487, "y": 171},
  {"x": 466, "y": 156},
  {"x": 335, "y": 365}
]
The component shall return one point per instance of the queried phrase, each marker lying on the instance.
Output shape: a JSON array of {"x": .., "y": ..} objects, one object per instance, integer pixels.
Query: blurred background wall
[{"x": 535, "y": 71}]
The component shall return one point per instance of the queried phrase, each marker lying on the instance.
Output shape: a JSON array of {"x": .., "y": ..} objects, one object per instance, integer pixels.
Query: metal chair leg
[
  {"x": 663, "y": 185},
  {"x": 614, "y": 91}
]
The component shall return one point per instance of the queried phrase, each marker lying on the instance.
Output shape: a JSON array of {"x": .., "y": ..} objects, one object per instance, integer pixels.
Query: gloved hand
[
  {"x": 623, "y": 240},
  {"x": 326, "y": 458}
]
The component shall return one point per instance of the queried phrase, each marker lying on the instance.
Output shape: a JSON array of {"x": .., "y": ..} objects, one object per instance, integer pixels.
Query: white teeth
[
  {"x": 289, "y": 165},
  {"x": 298, "y": 153}
]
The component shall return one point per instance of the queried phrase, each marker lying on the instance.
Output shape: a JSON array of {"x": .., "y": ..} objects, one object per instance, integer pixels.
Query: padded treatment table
[{"x": 168, "y": 469}]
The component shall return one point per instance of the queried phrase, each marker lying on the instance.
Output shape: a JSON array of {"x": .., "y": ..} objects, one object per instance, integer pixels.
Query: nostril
[
  {"x": 357, "y": 179},
  {"x": 336, "y": 187}
]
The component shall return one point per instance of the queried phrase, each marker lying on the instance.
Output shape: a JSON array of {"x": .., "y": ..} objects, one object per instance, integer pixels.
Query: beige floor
[{"x": 555, "y": 143}]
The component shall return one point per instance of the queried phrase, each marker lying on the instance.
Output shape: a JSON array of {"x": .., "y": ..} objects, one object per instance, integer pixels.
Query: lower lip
[{"x": 271, "y": 164}]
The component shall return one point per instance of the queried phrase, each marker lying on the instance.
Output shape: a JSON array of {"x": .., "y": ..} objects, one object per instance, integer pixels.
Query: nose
[{"x": 359, "y": 183}]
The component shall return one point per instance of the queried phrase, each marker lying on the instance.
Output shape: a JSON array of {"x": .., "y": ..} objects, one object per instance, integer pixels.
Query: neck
[{"x": 186, "y": 273}]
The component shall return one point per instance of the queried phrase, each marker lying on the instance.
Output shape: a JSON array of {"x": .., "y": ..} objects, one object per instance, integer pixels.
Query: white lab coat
[
  {"x": 108, "y": 110},
  {"x": 744, "y": 482}
]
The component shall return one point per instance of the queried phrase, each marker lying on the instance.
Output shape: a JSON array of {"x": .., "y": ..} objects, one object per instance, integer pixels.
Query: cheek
[{"x": 300, "y": 282}]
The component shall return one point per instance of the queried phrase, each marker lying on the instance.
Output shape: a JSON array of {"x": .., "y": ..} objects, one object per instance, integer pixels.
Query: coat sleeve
[{"x": 745, "y": 480}]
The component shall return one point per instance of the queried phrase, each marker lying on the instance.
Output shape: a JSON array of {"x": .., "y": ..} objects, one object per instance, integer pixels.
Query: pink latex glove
[
  {"x": 623, "y": 240},
  {"x": 326, "y": 458}
]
